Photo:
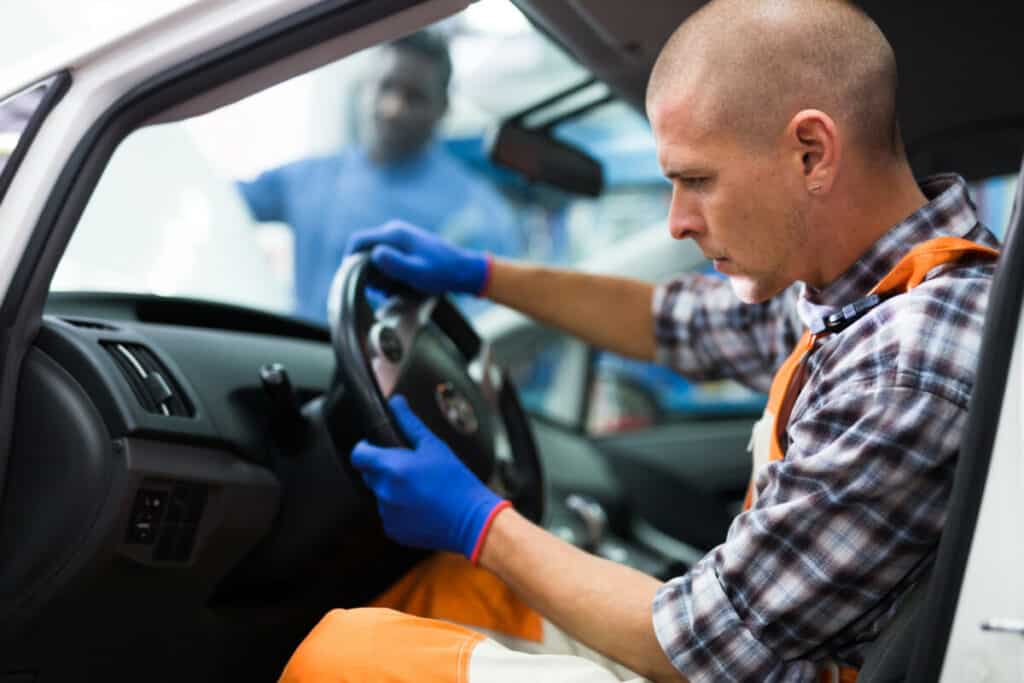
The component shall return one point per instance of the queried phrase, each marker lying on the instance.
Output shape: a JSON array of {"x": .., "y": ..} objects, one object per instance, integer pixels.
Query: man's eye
[
  {"x": 413, "y": 96},
  {"x": 694, "y": 182}
]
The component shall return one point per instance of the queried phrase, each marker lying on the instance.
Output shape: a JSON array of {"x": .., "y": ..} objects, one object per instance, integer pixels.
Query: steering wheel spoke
[{"x": 397, "y": 325}]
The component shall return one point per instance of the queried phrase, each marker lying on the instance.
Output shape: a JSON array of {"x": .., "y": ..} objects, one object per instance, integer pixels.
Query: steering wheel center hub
[{"x": 456, "y": 409}]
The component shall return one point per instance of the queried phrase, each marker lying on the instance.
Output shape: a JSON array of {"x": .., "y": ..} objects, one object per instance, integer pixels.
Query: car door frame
[{"x": 1002, "y": 344}]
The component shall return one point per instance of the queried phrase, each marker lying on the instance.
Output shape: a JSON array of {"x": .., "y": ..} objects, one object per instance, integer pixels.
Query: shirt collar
[
  {"x": 949, "y": 212},
  {"x": 417, "y": 162}
]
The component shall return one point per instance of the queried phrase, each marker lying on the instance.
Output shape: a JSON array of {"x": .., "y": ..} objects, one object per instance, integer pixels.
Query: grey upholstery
[{"x": 887, "y": 658}]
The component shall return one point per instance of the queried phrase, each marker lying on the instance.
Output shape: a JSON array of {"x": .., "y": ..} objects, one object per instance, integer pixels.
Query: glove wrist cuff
[
  {"x": 474, "y": 557},
  {"x": 486, "y": 280}
]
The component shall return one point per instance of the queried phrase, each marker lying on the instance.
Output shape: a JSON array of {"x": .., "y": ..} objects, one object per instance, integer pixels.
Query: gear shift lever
[
  {"x": 593, "y": 517},
  {"x": 286, "y": 420}
]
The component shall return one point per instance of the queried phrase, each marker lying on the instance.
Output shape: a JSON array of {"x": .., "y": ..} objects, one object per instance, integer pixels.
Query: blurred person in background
[{"x": 396, "y": 169}]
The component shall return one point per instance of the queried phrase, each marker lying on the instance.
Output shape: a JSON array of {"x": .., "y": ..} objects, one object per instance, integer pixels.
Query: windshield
[{"x": 253, "y": 203}]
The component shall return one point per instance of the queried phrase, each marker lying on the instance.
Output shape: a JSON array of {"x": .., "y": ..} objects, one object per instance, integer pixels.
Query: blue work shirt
[{"x": 325, "y": 199}]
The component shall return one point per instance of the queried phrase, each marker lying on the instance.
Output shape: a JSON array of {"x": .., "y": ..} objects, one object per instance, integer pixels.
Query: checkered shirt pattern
[{"x": 845, "y": 523}]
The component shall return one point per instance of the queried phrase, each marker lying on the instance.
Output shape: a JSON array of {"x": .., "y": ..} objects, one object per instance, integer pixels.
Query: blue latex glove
[
  {"x": 422, "y": 259},
  {"x": 427, "y": 497}
]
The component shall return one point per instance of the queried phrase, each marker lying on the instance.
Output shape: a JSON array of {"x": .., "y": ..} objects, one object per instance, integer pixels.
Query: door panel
[{"x": 686, "y": 479}]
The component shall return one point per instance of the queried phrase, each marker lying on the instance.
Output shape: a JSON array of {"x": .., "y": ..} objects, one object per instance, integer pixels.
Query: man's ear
[{"x": 817, "y": 141}]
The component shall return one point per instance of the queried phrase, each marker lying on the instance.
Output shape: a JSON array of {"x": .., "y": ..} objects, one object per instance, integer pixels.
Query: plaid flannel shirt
[{"x": 850, "y": 517}]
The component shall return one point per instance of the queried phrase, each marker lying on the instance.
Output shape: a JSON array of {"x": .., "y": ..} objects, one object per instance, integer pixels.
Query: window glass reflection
[{"x": 15, "y": 113}]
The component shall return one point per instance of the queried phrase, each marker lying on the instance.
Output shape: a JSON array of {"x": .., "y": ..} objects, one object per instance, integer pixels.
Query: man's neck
[
  {"x": 859, "y": 217},
  {"x": 394, "y": 159}
]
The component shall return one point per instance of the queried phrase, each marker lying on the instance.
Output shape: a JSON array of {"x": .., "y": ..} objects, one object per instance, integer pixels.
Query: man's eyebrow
[{"x": 687, "y": 172}]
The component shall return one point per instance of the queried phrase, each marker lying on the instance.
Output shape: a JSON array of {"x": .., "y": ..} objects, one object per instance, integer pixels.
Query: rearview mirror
[{"x": 541, "y": 158}]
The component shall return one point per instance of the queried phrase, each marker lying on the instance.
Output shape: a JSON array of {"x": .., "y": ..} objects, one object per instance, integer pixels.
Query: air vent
[
  {"x": 88, "y": 324},
  {"x": 149, "y": 379}
]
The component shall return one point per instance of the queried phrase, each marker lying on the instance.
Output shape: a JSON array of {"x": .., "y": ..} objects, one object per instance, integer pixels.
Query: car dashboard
[{"x": 156, "y": 470}]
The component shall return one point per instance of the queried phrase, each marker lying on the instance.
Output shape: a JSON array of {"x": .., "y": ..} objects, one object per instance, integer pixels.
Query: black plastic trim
[
  {"x": 984, "y": 412},
  {"x": 185, "y": 312},
  {"x": 56, "y": 86},
  {"x": 458, "y": 329},
  {"x": 589, "y": 377},
  {"x": 531, "y": 503},
  {"x": 520, "y": 116}
]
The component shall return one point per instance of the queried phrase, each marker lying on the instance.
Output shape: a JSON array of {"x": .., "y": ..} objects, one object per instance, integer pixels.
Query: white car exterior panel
[{"x": 992, "y": 587}]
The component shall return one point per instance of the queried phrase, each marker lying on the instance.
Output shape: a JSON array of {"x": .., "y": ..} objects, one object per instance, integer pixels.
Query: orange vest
[{"x": 789, "y": 380}]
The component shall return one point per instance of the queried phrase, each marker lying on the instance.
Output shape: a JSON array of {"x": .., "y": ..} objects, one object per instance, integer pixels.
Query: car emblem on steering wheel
[{"x": 456, "y": 409}]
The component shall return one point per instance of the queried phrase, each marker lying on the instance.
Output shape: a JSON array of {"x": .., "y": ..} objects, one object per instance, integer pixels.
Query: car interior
[{"x": 177, "y": 498}]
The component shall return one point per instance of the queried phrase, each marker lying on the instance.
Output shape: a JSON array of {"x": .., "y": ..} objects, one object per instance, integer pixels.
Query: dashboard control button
[
  {"x": 142, "y": 530},
  {"x": 147, "y": 513}
]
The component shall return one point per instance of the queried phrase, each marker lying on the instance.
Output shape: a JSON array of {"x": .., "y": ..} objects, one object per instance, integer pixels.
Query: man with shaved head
[
  {"x": 786, "y": 110},
  {"x": 853, "y": 292},
  {"x": 751, "y": 67}
]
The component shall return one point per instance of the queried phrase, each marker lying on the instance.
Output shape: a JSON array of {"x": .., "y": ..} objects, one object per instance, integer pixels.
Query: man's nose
[
  {"x": 684, "y": 218},
  {"x": 390, "y": 104}
]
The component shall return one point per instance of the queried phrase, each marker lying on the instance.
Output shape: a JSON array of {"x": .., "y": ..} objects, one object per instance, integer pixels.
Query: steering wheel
[{"x": 423, "y": 348}]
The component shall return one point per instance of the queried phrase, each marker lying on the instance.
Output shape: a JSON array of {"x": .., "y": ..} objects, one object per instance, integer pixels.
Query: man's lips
[
  {"x": 721, "y": 264},
  {"x": 718, "y": 260}
]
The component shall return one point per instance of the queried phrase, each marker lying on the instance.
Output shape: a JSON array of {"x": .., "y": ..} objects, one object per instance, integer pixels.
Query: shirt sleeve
[
  {"x": 857, "y": 503},
  {"x": 706, "y": 333},
  {"x": 265, "y": 195}
]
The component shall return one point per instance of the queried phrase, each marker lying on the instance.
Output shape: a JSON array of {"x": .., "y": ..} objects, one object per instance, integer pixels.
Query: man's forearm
[
  {"x": 605, "y": 605},
  {"x": 612, "y": 313}
]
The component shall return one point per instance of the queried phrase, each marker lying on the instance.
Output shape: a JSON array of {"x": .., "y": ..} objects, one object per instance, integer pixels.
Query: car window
[
  {"x": 627, "y": 394},
  {"x": 15, "y": 112},
  {"x": 20, "y": 114},
  {"x": 601, "y": 393},
  {"x": 994, "y": 200},
  {"x": 550, "y": 377},
  {"x": 620, "y": 138},
  {"x": 253, "y": 203}
]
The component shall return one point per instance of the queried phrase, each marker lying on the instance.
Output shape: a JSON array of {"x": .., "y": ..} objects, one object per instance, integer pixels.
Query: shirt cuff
[{"x": 705, "y": 639}]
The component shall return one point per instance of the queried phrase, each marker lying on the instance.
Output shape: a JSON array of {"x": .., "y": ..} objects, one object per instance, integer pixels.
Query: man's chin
[
  {"x": 751, "y": 291},
  {"x": 389, "y": 150}
]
